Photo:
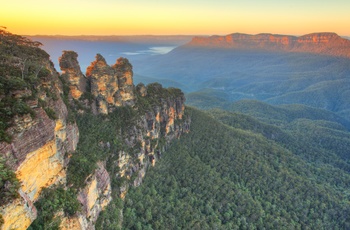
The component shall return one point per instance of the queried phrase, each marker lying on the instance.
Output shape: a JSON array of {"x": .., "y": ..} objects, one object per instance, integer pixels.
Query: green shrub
[
  {"x": 9, "y": 183},
  {"x": 50, "y": 113},
  {"x": 51, "y": 201}
]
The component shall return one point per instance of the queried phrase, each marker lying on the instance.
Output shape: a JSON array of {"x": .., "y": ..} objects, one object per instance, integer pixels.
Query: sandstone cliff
[
  {"x": 71, "y": 73},
  {"x": 40, "y": 134},
  {"x": 319, "y": 43},
  {"x": 41, "y": 142},
  {"x": 111, "y": 85},
  {"x": 156, "y": 118}
]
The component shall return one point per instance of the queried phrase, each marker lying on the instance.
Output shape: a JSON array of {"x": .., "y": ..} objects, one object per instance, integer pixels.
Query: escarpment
[
  {"x": 37, "y": 137},
  {"x": 143, "y": 119},
  {"x": 87, "y": 138},
  {"x": 329, "y": 44}
]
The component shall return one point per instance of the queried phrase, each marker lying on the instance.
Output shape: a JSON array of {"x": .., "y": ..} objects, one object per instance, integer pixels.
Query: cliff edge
[
  {"x": 319, "y": 43},
  {"x": 72, "y": 143}
]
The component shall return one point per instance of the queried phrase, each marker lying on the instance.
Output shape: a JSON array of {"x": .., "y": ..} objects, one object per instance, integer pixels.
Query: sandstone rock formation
[
  {"x": 45, "y": 138},
  {"x": 37, "y": 152},
  {"x": 104, "y": 84},
  {"x": 319, "y": 43},
  {"x": 155, "y": 128},
  {"x": 123, "y": 70},
  {"x": 72, "y": 74},
  {"x": 94, "y": 197},
  {"x": 111, "y": 86}
]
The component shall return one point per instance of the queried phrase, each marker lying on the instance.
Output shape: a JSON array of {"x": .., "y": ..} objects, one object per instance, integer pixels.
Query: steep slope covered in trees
[{"x": 227, "y": 177}]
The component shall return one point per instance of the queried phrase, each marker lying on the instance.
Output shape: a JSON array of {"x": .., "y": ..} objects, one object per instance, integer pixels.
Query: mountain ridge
[{"x": 324, "y": 43}]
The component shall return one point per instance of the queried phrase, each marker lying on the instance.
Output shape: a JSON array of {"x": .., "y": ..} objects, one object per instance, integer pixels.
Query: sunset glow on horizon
[{"x": 140, "y": 17}]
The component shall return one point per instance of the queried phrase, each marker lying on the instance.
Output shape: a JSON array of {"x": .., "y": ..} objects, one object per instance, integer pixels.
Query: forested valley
[{"x": 233, "y": 171}]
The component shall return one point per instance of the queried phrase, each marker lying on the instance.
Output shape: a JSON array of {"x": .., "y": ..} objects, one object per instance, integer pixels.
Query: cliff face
[
  {"x": 320, "y": 43},
  {"x": 44, "y": 138},
  {"x": 71, "y": 72},
  {"x": 38, "y": 151},
  {"x": 152, "y": 128},
  {"x": 40, "y": 138},
  {"x": 111, "y": 85},
  {"x": 153, "y": 131},
  {"x": 144, "y": 140},
  {"x": 94, "y": 197}
]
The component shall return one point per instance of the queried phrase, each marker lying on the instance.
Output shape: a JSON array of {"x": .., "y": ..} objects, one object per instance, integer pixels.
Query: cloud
[{"x": 152, "y": 51}]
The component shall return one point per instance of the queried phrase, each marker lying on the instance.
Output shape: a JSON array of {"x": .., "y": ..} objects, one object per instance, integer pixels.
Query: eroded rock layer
[
  {"x": 71, "y": 72},
  {"x": 45, "y": 135},
  {"x": 110, "y": 86},
  {"x": 41, "y": 141}
]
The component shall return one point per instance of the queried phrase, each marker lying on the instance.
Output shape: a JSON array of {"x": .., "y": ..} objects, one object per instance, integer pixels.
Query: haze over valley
[
  {"x": 206, "y": 114},
  {"x": 228, "y": 68}
]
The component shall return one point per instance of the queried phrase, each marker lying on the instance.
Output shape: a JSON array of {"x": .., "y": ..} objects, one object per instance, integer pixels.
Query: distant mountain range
[
  {"x": 319, "y": 43},
  {"x": 313, "y": 69},
  {"x": 140, "y": 39}
]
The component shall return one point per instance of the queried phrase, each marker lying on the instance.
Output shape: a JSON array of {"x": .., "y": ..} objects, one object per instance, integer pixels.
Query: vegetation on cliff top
[
  {"x": 22, "y": 69},
  {"x": 155, "y": 94}
]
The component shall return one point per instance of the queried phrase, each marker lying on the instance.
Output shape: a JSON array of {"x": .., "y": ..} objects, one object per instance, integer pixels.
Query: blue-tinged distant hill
[{"x": 312, "y": 69}]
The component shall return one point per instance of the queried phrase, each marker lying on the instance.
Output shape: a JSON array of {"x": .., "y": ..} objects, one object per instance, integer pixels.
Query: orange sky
[{"x": 136, "y": 17}]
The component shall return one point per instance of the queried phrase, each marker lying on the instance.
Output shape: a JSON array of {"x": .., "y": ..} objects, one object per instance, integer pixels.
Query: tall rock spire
[
  {"x": 123, "y": 70},
  {"x": 72, "y": 74}
]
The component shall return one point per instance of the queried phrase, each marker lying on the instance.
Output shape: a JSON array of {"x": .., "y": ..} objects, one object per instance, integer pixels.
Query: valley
[
  {"x": 216, "y": 71},
  {"x": 253, "y": 132},
  {"x": 234, "y": 172}
]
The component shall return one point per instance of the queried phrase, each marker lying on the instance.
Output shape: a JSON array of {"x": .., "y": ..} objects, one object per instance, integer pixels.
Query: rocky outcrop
[
  {"x": 123, "y": 70},
  {"x": 152, "y": 133},
  {"x": 145, "y": 139},
  {"x": 319, "y": 43},
  {"x": 104, "y": 85},
  {"x": 44, "y": 139},
  {"x": 110, "y": 86},
  {"x": 94, "y": 197},
  {"x": 18, "y": 214},
  {"x": 72, "y": 74}
]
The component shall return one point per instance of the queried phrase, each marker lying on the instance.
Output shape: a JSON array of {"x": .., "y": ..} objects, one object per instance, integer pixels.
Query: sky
[{"x": 174, "y": 17}]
